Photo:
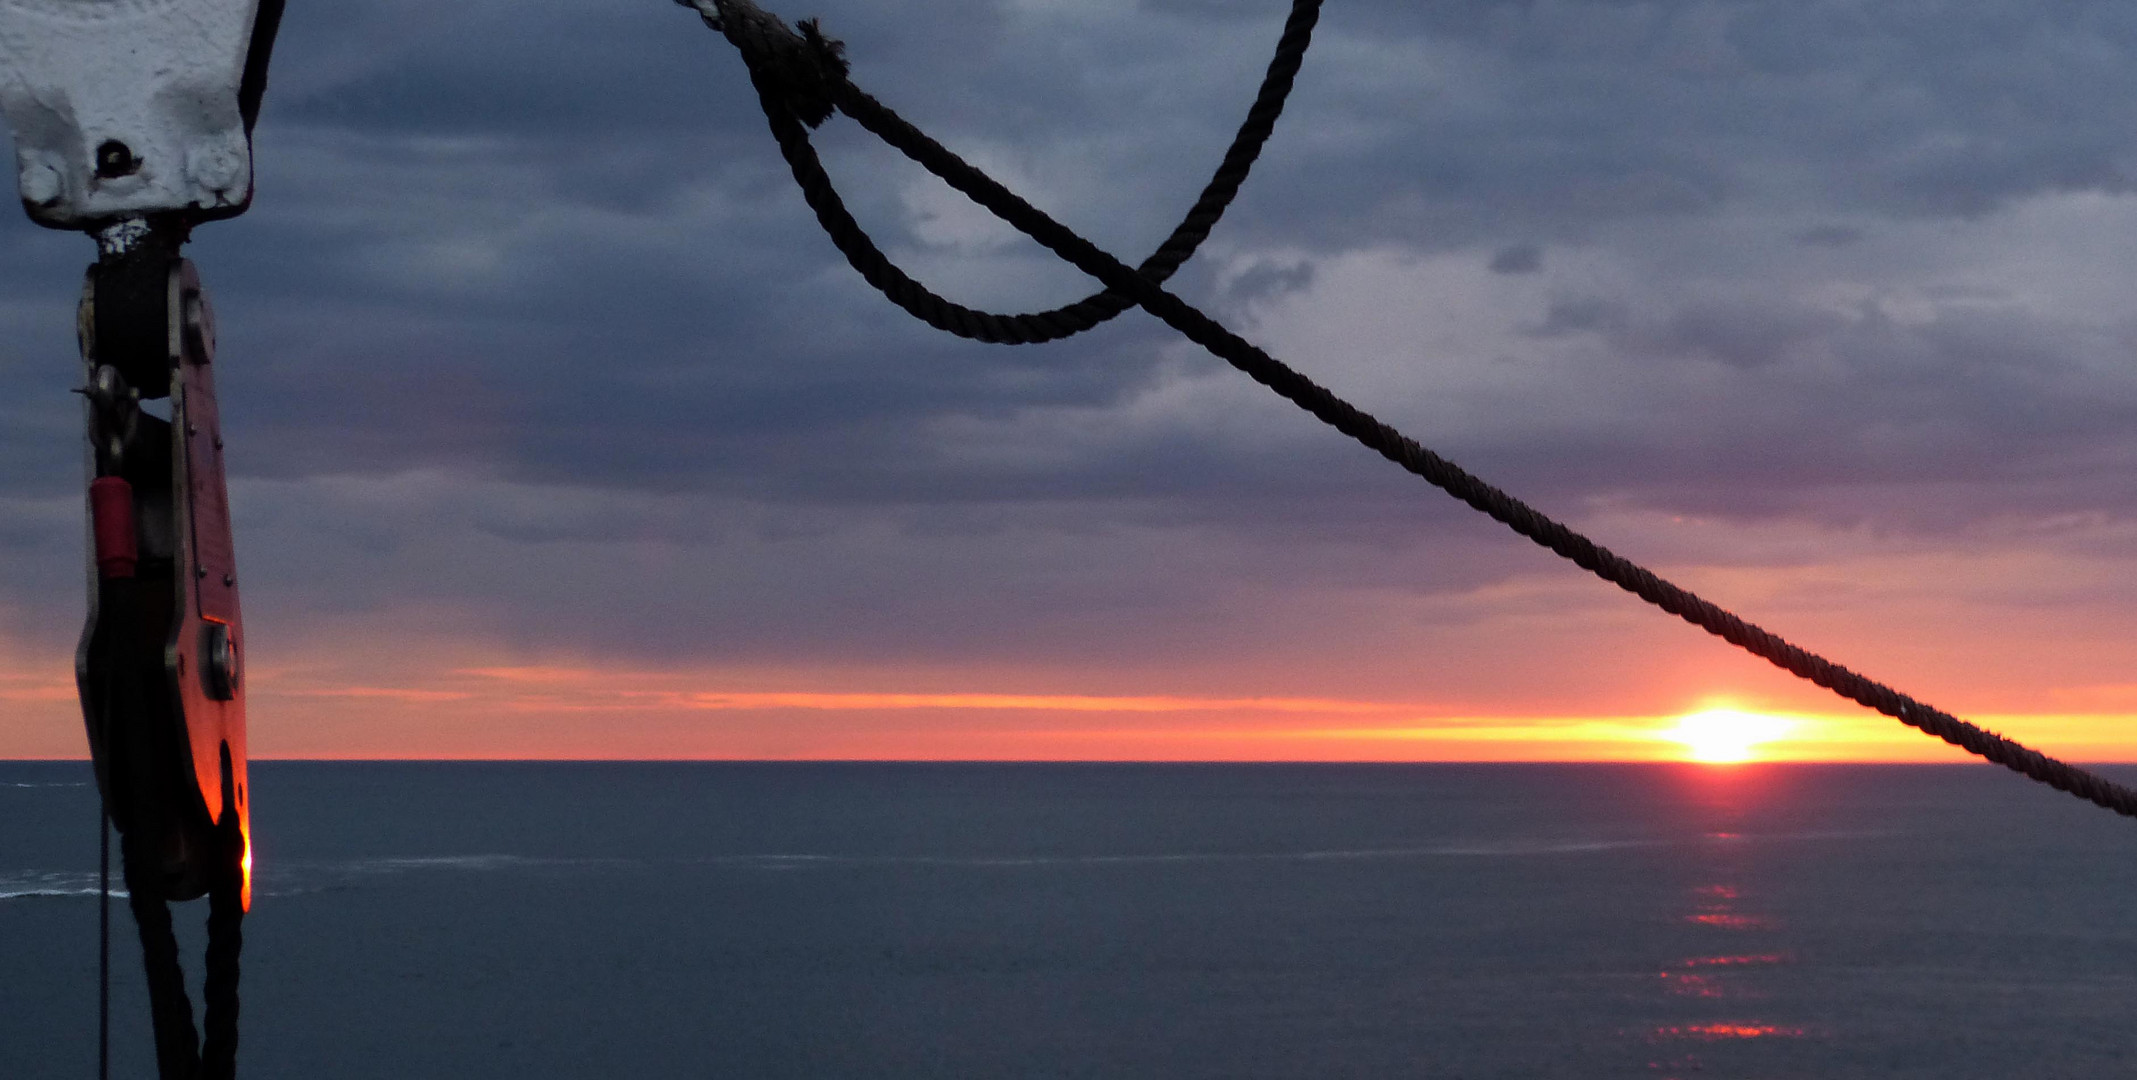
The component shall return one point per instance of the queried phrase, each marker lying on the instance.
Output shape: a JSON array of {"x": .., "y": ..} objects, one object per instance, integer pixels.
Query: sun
[{"x": 1726, "y": 736}]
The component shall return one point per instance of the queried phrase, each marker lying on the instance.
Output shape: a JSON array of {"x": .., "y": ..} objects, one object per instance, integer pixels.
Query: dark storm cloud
[
  {"x": 1831, "y": 236},
  {"x": 1560, "y": 115},
  {"x": 1576, "y": 314},
  {"x": 1517, "y": 259},
  {"x": 1760, "y": 405},
  {"x": 548, "y": 254}
]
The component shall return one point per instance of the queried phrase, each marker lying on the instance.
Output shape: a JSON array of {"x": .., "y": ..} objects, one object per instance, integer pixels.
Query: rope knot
[{"x": 803, "y": 71}]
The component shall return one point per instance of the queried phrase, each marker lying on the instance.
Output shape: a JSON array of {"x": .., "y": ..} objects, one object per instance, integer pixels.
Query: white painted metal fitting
[{"x": 126, "y": 108}]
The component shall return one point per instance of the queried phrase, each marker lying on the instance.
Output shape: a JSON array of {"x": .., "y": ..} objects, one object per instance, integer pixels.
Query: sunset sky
[{"x": 557, "y": 428}]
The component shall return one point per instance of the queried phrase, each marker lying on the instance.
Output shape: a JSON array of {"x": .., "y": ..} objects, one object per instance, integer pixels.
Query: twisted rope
[
  {"x": 779, "y": 60},
  {"x": 177, "y": 1044},
  {"x": 181, "y": 1053},
  {"x": 219, "y": 1004},
  {"x": 803, "y": 71}
]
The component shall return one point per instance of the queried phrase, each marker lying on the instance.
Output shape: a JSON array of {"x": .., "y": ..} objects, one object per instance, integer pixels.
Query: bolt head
[
  {"x": 222, "y": 663},
  {"x": 217, "y": 166},
  {"x": 42, "y": 185}
]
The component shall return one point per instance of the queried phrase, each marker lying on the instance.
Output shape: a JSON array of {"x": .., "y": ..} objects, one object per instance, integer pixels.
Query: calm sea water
[{"x": 859, "y": 920}]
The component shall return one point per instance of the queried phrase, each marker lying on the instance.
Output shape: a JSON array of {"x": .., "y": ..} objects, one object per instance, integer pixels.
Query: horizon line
[{"x": 504, "y": 760}]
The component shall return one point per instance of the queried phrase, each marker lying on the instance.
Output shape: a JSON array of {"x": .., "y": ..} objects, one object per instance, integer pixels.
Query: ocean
[{"x": 527, "y": 921}]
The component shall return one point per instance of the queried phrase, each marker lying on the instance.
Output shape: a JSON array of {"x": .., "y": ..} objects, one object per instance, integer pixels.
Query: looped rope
[
  {"x": 1147, "y": 293},
  {"x": 780, "y": 61}
]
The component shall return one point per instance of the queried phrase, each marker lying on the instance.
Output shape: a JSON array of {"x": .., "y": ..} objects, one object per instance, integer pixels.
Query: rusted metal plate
[
  {"x": 214, "y": 555},
  {"x": 207, "y": 649}
]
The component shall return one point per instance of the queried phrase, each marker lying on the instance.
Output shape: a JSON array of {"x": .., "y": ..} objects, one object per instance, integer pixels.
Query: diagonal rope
[{"x": 801, "y": 77}]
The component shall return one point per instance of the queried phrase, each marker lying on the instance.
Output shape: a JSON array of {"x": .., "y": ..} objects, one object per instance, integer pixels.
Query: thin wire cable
[
  {"x": 800, "y": 77},
  {"x": 103, "y": 938}
]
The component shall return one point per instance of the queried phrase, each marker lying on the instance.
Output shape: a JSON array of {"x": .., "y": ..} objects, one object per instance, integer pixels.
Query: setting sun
[{"x": 1722, "y": 736}]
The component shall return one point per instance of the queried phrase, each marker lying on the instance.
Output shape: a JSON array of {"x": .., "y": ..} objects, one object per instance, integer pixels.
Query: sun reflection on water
[
  {"x": 1727, "y": 979},
  {"x": 1708, "y": 976},
  {"x": 1717, "y": 1032},
  {"x": 1715, "y": 905}
]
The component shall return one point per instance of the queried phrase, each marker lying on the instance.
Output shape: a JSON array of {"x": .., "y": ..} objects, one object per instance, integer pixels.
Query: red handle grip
[{"x": 111, "y": 513}]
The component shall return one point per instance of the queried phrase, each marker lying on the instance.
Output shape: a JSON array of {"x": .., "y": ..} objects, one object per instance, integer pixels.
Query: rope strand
[
  {"x": 775, "y": 72},
  {"x": 804, "y": 80},
  {"x": 219, "y": 1001},
  {"x": 177, "y": 1043}
]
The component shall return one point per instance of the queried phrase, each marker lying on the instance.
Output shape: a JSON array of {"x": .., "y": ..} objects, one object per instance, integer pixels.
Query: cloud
[
  {"x": 1517, "y": 259},
  {"x": 528, "y": 333}
]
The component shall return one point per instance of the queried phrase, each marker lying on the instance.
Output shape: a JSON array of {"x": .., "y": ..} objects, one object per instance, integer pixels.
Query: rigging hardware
[
  {"x": 132, "y": 122},
  {"x": 137, "y": 109}
]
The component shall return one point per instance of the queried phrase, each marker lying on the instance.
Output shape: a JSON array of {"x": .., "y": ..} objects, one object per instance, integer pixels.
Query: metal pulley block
[
  {"x": 133, "y": 108},
  {"x": 133, "y": 122},
  {"x": 161, "y": 662}
]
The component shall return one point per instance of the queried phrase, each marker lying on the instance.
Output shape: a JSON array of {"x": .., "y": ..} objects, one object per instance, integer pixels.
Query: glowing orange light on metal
[{"x": 245, "y": 865}]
